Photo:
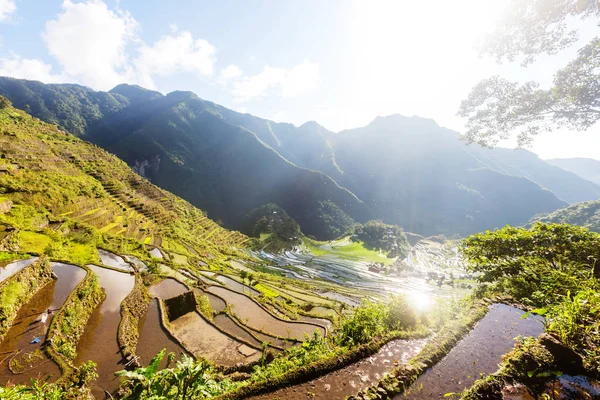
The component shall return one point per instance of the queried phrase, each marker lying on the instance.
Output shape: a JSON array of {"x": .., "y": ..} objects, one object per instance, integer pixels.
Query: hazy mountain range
[
  {"x": 406, "y": 171},
  {"x": 586, "y": 168}
]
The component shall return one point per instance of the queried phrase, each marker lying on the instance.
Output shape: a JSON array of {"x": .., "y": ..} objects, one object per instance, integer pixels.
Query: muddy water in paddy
[
  {"x": 12, "y": 267},
  {"x": 28, "y": 326},
  {"x": 99, "y": 340},
  {"x": 253, "y": 315},
  {"x": 235, "y": 285},
  {"x": 168, "y": 288},
  {"x": 479, "y": 352},
  {"x": 355, "y": 377},
  {"x": 154, "y": 338},
  {"x": 225, "y": 322},
  {"x": 204, "y": 340}
]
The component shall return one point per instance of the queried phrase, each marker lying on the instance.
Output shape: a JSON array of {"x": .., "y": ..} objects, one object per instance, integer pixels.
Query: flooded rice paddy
[
  {"x": 168, "y": 288},
  {"x": 353, "y": 378},
  {"x": 155, "y": 252},
  {"x": 153, "y": 337},
  {"x": 253, "y": 315},
  {"x": 113, "y": 260},
  {"x": 99, "y": 339},
  {"x": 12, "y": 267},
  {"x": 140, "y": 265},
  {"x": 224, "y": 322},
  {"x": 204, "y": 340},
  {"x": 480, "y": 352},
  {"x": 237, "y": 286},
  {"x": 20, "y": 359}
]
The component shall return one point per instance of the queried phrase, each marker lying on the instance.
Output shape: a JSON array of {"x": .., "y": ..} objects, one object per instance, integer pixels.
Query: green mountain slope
[
  {"x": 202, "y": 152},
  {"x": 51, "y": 176},
  {"x": 406, "y": 171},
  {"x": 586, "y": 214},
  {"x": 587, "y": 168},
  {"x": 567, "y": 186},
  {"x": 422, "y": 177}
]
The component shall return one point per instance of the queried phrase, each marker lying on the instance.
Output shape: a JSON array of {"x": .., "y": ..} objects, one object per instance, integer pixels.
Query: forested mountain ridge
[
  {"x": 405, "y": 171},
  {"x": 435, "y": 177},
  {"x": 587, "y": 168},
  {"x": 185, "y": 145},
  {"x": 586, "y": 214}
]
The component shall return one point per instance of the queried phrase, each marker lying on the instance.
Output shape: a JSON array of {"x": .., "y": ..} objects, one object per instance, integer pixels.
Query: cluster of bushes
[
  {"x": 272, "y": 220},
  {"x": 377, "y": 235},
  {"x": 374, "y": 319}
]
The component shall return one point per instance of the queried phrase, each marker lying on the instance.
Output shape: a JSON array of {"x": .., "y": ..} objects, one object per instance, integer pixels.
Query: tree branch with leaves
[{"x": 497, "y": 108}]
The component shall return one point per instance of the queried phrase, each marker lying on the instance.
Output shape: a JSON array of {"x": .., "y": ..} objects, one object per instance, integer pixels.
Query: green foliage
[
  {"x": 538, "y": 264},
  {"x": 205, "y": 307},
  {"x": 4, "y": 102},
  {"x": 497, "y": 108},
  {"x": 38, "y": 390},
  {"x": 187, "y": 380},
  {"x": 388, "y": 238},
  {"x": 373, "y": 319},
  {"x": 576, "y": 321},
  {"x": 283, "y": 231},
  {"x": 585, "y": 214},
  {"x": 367, "y": 321},
  {"x": 312, "y": 350},
  {"x": 336, "y": 223}
]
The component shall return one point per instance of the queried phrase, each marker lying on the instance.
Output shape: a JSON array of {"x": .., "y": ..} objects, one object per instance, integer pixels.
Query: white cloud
[
  {"x": 23, "y": 68},
  {"x": 291, "y": 82},
  {"x": 302, "y": 78},
  {"x": 89, "y": 41},
  {"x": 92, "y": 44},
  {"x": 179, "y": 52},
  {"x": 7, "y": 7},
  {"x": 230, "y": 72}
]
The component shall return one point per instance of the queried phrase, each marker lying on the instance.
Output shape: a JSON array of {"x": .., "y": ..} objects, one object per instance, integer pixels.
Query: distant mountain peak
[{"x": 135, "y": 93}]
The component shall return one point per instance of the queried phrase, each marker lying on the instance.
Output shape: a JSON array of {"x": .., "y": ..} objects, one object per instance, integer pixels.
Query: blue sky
[{"x": 339, "y": 62}]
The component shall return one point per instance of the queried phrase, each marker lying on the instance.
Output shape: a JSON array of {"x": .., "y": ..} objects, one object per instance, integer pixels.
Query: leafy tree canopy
[
  {"x": 496, "y": 108},
  {"x": 380, "y": 236},
  {"x": 273, "y": 220},
  {"x": 535, "y": 264}
]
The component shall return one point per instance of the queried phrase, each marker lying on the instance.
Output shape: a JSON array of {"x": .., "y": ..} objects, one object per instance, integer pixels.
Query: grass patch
[
  {"x": 6, "y": 256},
  {"x": 346, "y": 249},
  {"x": 266, "y": 291},
  {"x": 33, "y": 241}
]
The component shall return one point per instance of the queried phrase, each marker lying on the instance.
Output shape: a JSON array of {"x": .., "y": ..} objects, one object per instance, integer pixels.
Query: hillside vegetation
[
  {"x": 51, "y": 177},
  {"x": 586, "y": 214}
]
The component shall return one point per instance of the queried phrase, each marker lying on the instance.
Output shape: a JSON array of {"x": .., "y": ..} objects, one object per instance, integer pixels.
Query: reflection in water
[
  {"x": 349, "y": 380},
  {"x": 153, "y": 337},
  {"x": 113, "y": 260},
  {"x": 14, "y": 267},
  {"x": 27, "y": 326},
  {"x": 168, "y": 288},
  {"x": 99, "y": 340},
  {"x": 478, "y": 353}
]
